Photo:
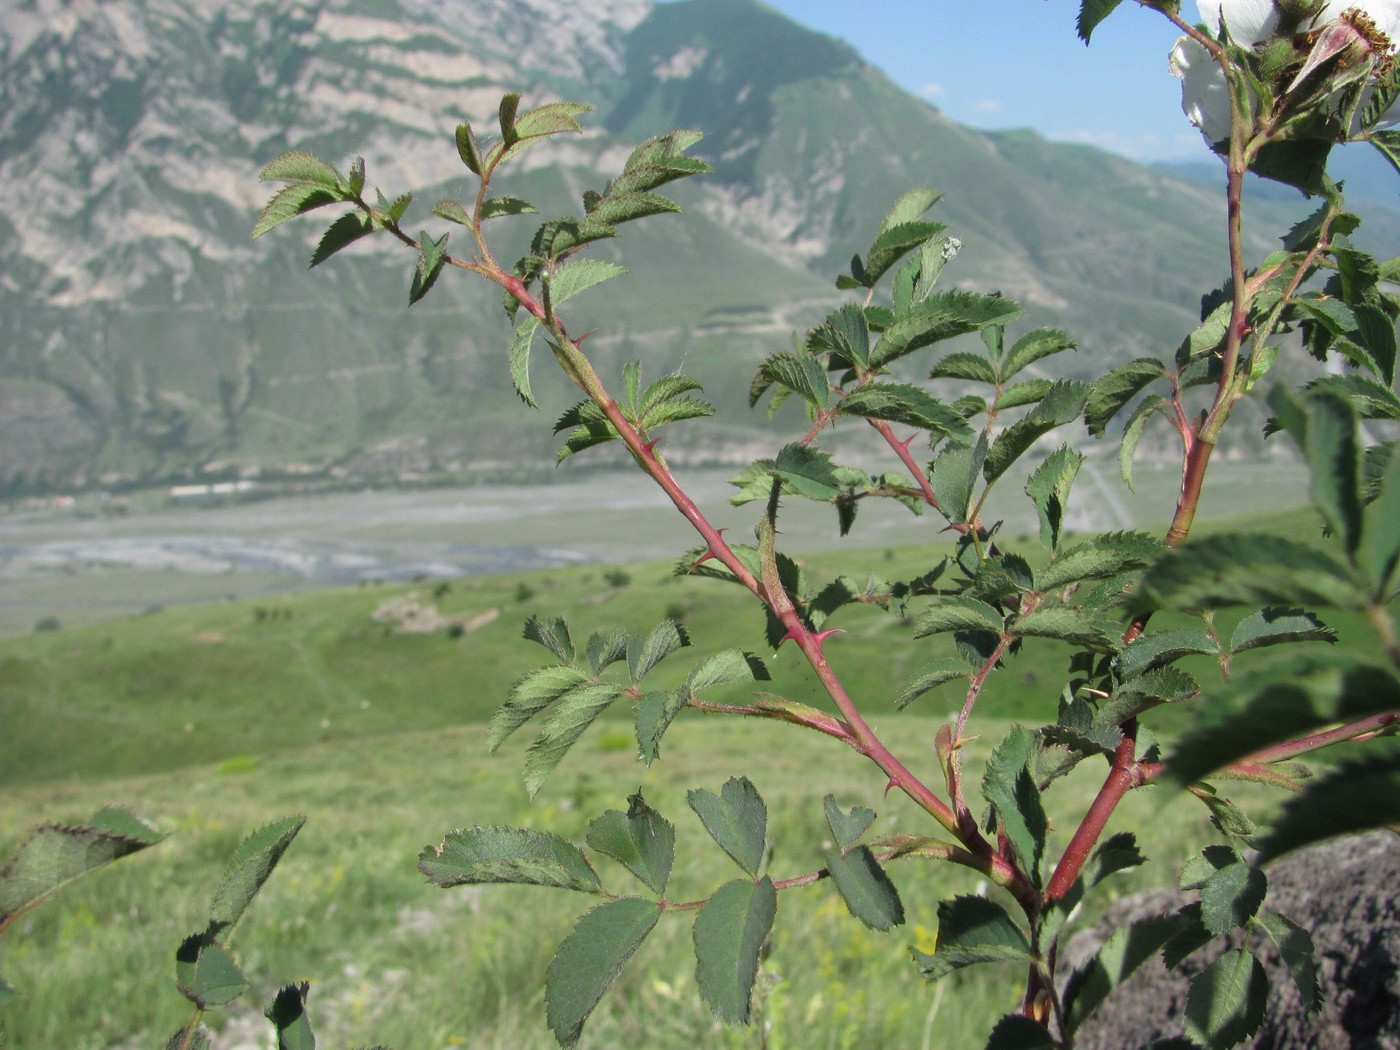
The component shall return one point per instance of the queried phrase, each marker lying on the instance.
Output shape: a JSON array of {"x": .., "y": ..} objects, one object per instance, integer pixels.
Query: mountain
[{"x": 145, "y": 339}]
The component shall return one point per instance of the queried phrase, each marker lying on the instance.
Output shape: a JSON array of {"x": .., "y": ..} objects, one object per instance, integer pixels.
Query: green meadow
[{"x": 213, "y": 719}]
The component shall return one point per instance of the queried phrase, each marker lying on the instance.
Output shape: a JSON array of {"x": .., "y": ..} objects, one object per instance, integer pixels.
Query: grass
[{"x": 214, "y": 719}]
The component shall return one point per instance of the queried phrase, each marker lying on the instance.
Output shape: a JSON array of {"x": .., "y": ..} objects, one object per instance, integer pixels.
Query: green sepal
[
  {"x": 736, "y": 819},
  {"x": 972, "y": 930},
  {"x": 249, "y": 868},
  {"x": 729, "y": 933},
  {"x": 590, "y": 959},
  {"x": 866, "y": 889},
  {"x": 481, "y": 855},
  {"x": 288, "y": 1015},
  {"x": 641, "y": 840},
  {"x": 206, "y": 973}
]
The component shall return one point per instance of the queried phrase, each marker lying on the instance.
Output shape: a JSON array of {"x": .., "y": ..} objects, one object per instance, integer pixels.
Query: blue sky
[{"x": 1018, "y": 63}]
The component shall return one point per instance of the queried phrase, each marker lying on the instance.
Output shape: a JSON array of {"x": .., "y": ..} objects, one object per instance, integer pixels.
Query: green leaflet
[
  {"x": 1010, "y": 788},
  {"x": 1126, "y": 950},
  {"x": 1225, "y": 1005},
  {"x": 846, "y": 828},
  {"x": 807, "y": 471},
  {"x": 467, "y": 149},
  {"x": 1109, "y": 394},
  {"x": 573, "y": 714},
  {"x": 644, "y": 654},
  {"x": 589, "y": 961},
  {"x": 1132, "y": 434},
  {"x": 729, "y": 933},
  {"x": 494, "y": 207},
  {"x": 903, "y": 403},
  {"x": 1075, "y": 626},
  {"x": 939, "y": 317},
  {"x": 1247, "y": 569},
  {"x": 54, "y": 855},
  {"x": 250, "y": 867},
  {"x": 1091, "y": 13},
  {"x": 205, "y": 972},
  {"x": 1295, "y": 945},
  {"x": 1277, "y": 626},
  {"x": 1162, "y": 647},
  {"x": 1284, "y": 698},
  {"x": 641, "y": 840},
  {"x": 1031, "y": 347},
  {"x": 298, "y": 166},
  {"x": 931, "y": 676},
  {"x": 964, "y": 365},
  {"x": 1356, "y": 795},
  {"x": 472, "y": 856},
  {"x": 1019, "y": 1032},
  {"x": 802, "y": 374},
  {"x": 1099, "y": 558},
  {"x": 287, "y": 1012},
  {"x": 866, "y": 889},
  {"x": 346, "y": 230},
  {"x": 972, "y": 930},
  {"x": 520, "y": 358},
  {"x": 736, "y": 818},
  {"x": 957, "y": 614},
  {"x": 578, "y": 276},
  {"x": 1062, "y": 403},
  {"x": 1049, "y": 490},
  {"x": 652, "y": 716},
  {"x": 530, "y": 695},
  {"x": 291, "y": 201},
  {"x": 954, "y": 476},
  {"x": 431, "y": 255},
  {"x": 1326, "y": 430},
  {"x": 1231, "y": 896},
  {"x": 1380, "y": 552}
]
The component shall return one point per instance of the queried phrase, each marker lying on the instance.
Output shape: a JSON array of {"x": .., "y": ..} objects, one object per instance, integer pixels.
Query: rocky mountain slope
[{"x": 144, "y": 338}]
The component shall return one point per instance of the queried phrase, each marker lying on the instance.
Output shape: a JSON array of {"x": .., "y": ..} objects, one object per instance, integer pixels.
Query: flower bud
[{"x": 1294, "y": 13}]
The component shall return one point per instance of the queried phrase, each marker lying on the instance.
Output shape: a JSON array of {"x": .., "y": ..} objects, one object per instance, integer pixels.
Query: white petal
[
  {"x": 1249, "y": 21},
  {"x": 1204, "y": 99}
]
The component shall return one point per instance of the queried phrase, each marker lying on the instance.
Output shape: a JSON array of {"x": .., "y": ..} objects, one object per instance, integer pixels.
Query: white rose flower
[{"x": 1204, "y": 98}]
